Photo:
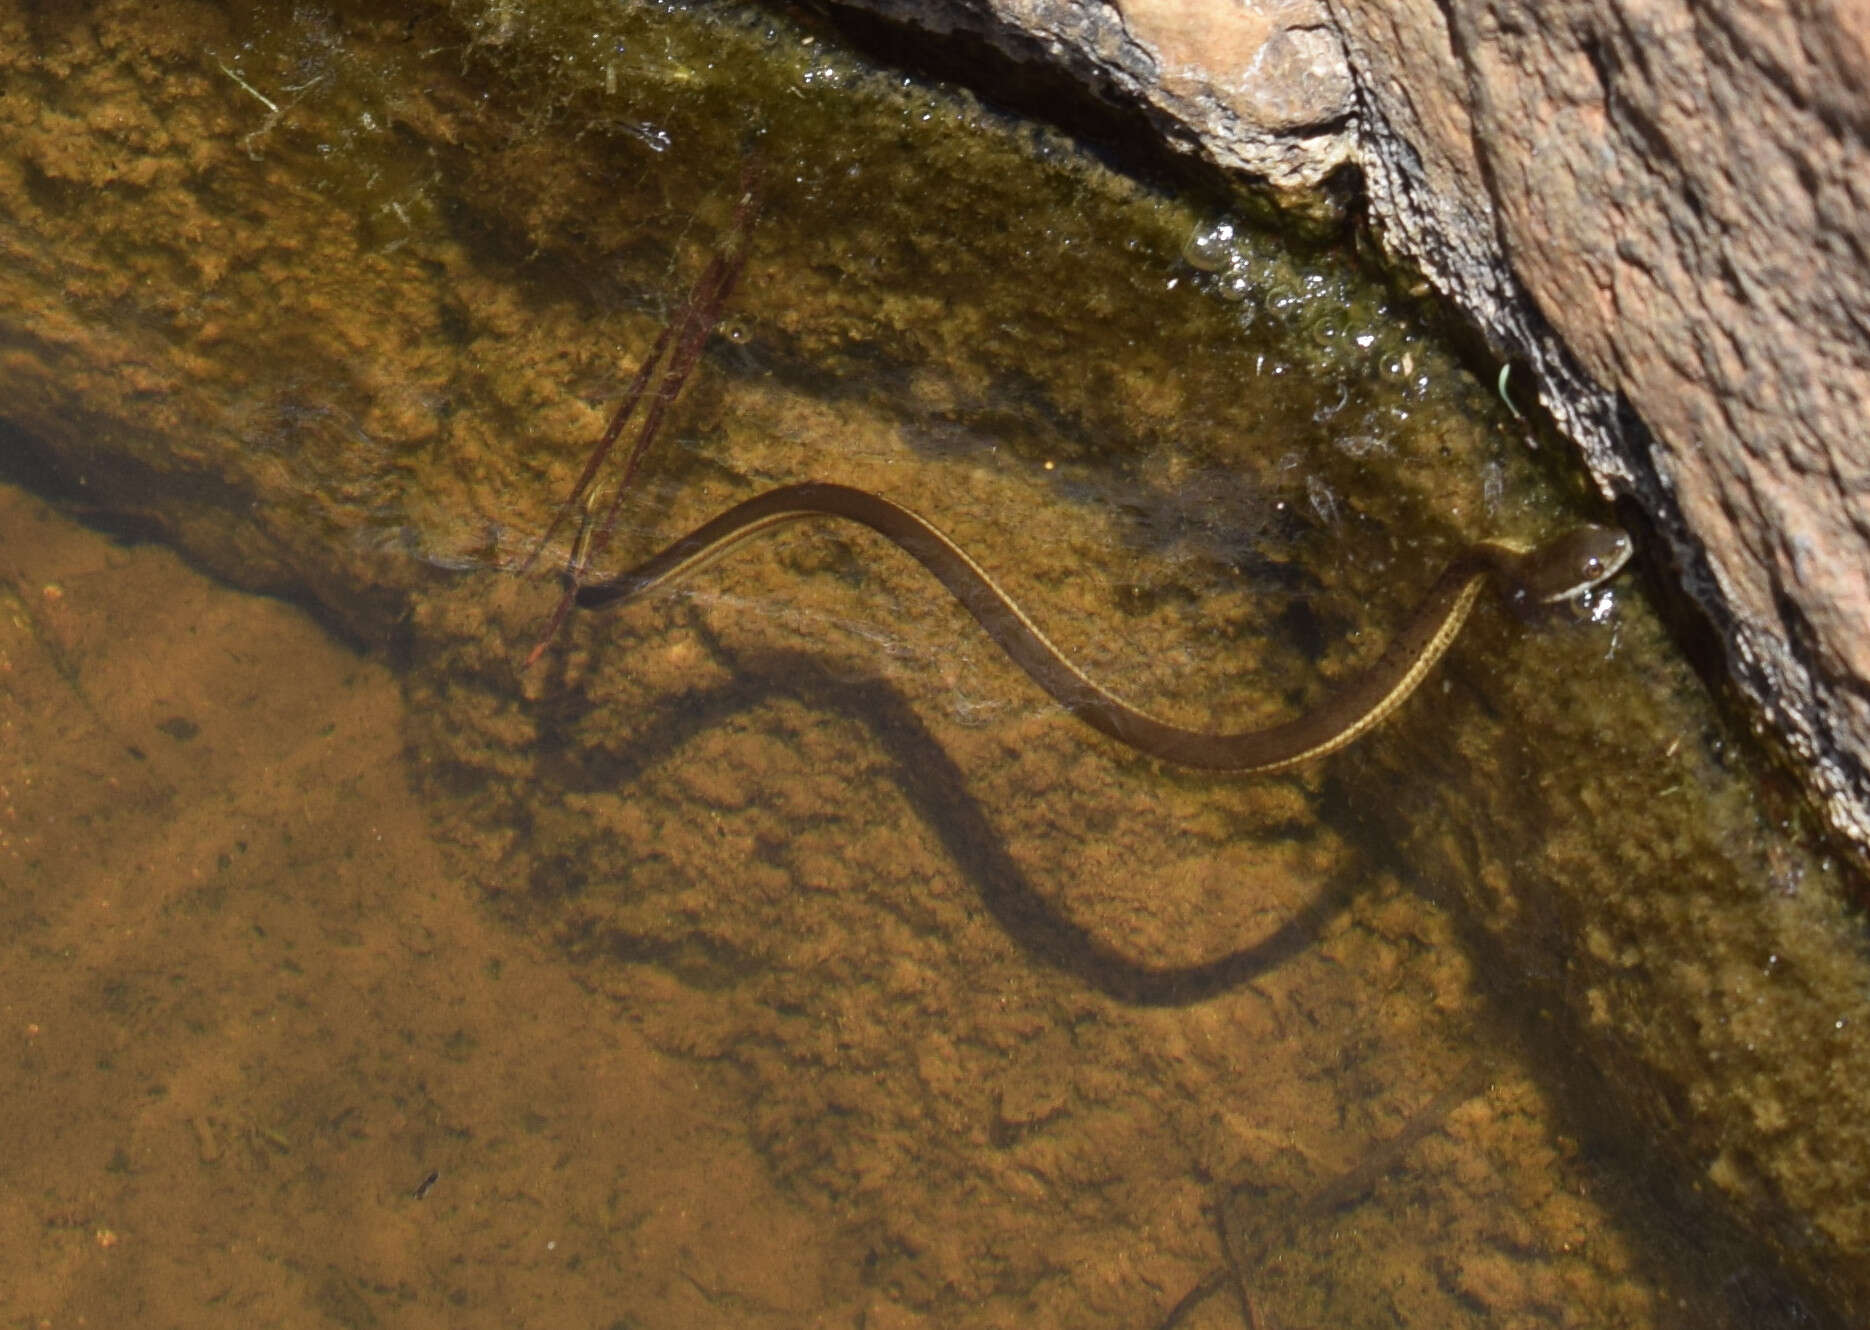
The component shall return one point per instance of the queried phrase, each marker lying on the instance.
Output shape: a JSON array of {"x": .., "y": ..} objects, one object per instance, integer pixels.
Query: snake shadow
[{"x": 937, "y": 789}]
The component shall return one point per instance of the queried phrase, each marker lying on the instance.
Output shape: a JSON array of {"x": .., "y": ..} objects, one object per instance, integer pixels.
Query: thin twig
[
  {"x": 625, "y": 409},
  {"x": 689, "y": 332},
  {"x": 1339, "y": 1192}
]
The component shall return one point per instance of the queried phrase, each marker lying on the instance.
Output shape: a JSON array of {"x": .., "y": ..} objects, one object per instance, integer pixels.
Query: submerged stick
[
  {"x": 688, "y": 331},
  {"x": 1347, "y": 1187}
]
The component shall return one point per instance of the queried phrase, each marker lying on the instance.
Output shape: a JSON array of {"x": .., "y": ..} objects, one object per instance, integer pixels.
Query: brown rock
[
  {"x": 1662, "y": 208},
  {"x": 1258, "y": 88}
]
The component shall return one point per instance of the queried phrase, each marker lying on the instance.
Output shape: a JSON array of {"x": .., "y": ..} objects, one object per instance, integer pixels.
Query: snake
[{"x": 1560, "y": 569}]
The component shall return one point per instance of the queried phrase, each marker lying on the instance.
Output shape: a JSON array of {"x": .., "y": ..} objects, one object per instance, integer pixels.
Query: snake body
[{"x": 1567, "y": 566}]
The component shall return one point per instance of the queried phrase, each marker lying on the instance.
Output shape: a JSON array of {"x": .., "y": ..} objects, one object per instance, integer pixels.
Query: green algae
[
  {"x": 804, "y": 826},
  {"x": 1063, "y": 338}
]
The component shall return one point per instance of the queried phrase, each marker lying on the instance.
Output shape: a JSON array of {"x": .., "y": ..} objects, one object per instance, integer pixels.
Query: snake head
[{"x": 1567, "y": 566}]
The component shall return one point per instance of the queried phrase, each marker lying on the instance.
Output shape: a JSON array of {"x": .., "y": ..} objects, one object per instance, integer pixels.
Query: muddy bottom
[{"x": 271, "y": 1063}]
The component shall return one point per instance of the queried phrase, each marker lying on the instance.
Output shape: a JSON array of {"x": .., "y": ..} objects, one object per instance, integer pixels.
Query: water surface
[{"x": 774, "y": 953}]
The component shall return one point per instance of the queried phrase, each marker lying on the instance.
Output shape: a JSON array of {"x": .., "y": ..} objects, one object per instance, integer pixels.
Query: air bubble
[{"x": 1210, "y": 248}]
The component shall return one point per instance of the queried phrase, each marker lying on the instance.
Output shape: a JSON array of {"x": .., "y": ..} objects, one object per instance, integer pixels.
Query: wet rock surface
[{"x": 1661, "y": 207}]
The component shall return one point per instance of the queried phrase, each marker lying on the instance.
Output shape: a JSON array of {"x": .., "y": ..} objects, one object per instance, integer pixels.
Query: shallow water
[{"x": 774, "y": 953}]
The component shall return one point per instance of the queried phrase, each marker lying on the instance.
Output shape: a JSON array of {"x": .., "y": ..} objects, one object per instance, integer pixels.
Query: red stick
[{"x": 689, "y": 331}]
